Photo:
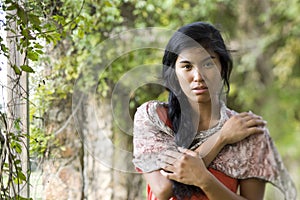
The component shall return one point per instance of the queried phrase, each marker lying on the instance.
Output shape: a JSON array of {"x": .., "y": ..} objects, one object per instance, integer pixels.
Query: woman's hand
[
  {"x": 235, "y": 129},
  {"x": 184, "y": 166},
  {"x": 240, "y": 126},
  {"x": 187, "y": 167}
]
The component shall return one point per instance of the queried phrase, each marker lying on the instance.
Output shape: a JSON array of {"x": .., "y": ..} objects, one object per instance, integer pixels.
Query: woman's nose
[{"x": 197, "y": 76}]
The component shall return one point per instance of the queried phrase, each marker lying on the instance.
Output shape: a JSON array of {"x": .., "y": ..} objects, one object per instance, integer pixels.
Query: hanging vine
[{"x": 28, "y": 27}]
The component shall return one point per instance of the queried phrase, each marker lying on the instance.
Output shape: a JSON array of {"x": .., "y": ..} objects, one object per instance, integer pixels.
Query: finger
[
  {"x": 256, "y": 122},
  {"x": 255, "y": 115},
  {"x": 243, "y": 114},
  {"x": 256, "y": 130},
  {"x": 187, "y": 151},
  {"x": 165, "y": 174},
  {"x": 169, "y": 168},
  {"x": 172, "y": 154},
  {"x": 167, "y": 159},
  {"x": 171, "y": 176},
  {"x": 249, "y": 115}
]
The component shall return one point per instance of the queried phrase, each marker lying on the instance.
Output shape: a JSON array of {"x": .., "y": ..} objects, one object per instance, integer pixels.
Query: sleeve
[
  {"x": 149, "y": 139},
  {"x": 256, "y": 157}
]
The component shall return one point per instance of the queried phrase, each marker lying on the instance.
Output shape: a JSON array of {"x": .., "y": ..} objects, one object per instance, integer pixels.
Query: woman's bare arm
[
  {"x": 188, "y": 168},
  {"x": 160, "y": 185},
  {"x": 252, "y": 189},
  {"x": 235, "y": 129}
]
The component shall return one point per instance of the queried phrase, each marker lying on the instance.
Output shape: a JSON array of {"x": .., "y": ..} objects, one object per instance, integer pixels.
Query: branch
[{"x": 53, "y": 30}]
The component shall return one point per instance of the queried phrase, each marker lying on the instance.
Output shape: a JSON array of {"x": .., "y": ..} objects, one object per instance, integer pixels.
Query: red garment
[
  {"x": 254, "y": 157},
  {"x": 229, "y": 182}
]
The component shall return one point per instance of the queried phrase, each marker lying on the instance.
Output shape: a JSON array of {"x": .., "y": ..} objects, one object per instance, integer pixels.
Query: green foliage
[
  {"x": 82, "y": 51},
  {"x": 24, "y": 27},
  {"x": 266, "y": 75},
  {"x": 26, "y": 33},
  {"x": 87, "y": 26},
  {"x": 63, "y": 43},
  {"x": 12, "y": 175}
]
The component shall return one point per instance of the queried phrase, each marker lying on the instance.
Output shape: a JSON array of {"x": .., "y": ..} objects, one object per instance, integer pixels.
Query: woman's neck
[{"x": 206, "y": 115}]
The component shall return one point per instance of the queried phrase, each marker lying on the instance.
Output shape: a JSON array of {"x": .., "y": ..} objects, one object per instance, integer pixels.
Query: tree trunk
[
  {"x": 17, "y": 100},
  {"x": 85, "y": 163}
]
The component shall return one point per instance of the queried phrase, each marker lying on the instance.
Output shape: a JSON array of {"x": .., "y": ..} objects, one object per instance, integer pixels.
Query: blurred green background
[{"x": 264, "y": 37}]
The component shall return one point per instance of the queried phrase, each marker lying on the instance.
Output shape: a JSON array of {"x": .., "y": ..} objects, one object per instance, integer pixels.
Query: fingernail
[
  {"x": 181, "y": 148},
  {"x": 162, "y": 172}
]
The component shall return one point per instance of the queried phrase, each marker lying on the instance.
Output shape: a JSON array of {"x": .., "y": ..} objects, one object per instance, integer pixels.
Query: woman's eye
[
  {"x": 187, "y": 67},
  {"x": 209, "y": 64}
]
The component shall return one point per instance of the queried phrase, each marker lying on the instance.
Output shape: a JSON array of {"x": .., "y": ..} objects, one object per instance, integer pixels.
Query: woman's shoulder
[
  {"x": 253, "y": 138},
  {"x": 230, "y": 112},
  {"x": 154, "y": 113},
  {"x": 254, "y": 157},
  {"x": 152, "y": 104},
  {"x": 150, "y": 135},
  {"x": 152, "y": 109}
]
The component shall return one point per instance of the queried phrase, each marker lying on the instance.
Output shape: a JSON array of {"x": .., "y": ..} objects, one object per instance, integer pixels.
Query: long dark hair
[{"x": 197, "y": 34}]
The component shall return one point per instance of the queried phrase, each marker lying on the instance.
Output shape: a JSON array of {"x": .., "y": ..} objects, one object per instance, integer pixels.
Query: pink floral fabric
[{"x": 253, "y": 157}]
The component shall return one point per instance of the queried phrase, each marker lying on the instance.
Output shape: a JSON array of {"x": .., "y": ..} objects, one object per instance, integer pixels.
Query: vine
[
  {"x": 26, "y": 28},
  {"x": 72, "y": 31}
]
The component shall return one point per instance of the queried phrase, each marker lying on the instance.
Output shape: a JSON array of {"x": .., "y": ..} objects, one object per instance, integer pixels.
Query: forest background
[{"x": 82, "y": 67}]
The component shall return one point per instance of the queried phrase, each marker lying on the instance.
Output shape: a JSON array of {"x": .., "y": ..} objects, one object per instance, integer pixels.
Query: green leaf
[
  {"x": 4, "y": 49},
  {"x": 34, "y": 20},
  {"x": 38, "y": 46},
  {"x": 108, "y": 4},
  {"x": 18, "y": 149},
  {"x": 17, "y": 69},
  {"x": 32, "y": 55},
  {"x": 11, "y": 7},
  {"x": 80, "y": 33},
  {"x": 22, "y": 14},
  {"x": 17, "y": 162},
  {"x": 17, "y": 123},
  {"x": 16, "y": 146},
  {"x": 21, "y": 176},
  {"x": 39, "y": 51},
  {"x": 25, "y": 33},
  {"x": 6, "y": 165},
  {"x": 27, "y": 68},
  {"x": 18, "y": 197}
]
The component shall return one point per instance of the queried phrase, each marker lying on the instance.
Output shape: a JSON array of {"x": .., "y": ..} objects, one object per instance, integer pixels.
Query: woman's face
[{"x": 198, "y": 73}]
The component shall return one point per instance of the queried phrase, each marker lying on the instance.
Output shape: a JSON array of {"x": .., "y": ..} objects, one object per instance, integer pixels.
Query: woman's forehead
[{"x": 195, "y": 54}]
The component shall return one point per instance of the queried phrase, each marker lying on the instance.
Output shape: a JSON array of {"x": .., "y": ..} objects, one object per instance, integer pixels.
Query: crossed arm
[{"x": 191, "y": 169}]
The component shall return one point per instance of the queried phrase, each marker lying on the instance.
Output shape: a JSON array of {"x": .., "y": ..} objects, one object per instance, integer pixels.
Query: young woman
[{"x": 194, "y": 147}]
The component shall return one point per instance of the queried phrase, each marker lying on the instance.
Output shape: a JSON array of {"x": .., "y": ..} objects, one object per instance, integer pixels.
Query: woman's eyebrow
[
  {"x": 208, "y": 58},
  {"x": 185, "y": 61},
  {"x": 204, "y": 60}
]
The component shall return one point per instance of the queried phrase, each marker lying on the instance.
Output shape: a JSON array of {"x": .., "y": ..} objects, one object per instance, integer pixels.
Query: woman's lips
[{"x": 200, "y": 89}]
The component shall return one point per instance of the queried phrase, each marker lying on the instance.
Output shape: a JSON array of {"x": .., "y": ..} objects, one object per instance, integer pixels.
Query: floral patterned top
[{"x": 253, "y": 157}]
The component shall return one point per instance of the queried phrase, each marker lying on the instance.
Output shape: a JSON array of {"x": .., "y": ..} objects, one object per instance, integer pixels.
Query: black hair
[{"x": 197, "y": 34}]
